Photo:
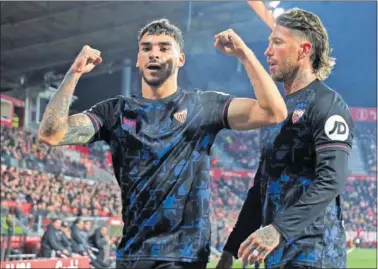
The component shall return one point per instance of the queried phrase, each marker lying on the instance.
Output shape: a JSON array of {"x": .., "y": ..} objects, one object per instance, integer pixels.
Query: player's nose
[
  {"x": 268, "y": 52},
  {"x": 154, "y": 53}
]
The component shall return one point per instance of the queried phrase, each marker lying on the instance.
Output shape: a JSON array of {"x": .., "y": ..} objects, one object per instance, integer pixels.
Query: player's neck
[
  {"x": 302, "y": 79},
  {"x": 168, "y": 88}
]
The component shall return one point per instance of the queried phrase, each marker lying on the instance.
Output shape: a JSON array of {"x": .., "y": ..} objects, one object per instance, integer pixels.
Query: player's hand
[
  {"x": 230, "y": 43},
  {"x": 225, "y": 261},
  {"x": 259, "y": 244},
  {"x": 87, "y": 59}
]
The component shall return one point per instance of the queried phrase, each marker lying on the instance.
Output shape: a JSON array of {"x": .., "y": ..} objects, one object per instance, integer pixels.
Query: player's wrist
[
  {"x": 276, "y": 232},
  {"x": 72, "y": 72},
  {"x": 245, "y": 54}
]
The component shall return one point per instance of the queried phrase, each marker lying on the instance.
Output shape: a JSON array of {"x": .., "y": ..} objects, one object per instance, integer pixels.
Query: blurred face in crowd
[
  {"x": 75, "y": 211},
  {"x": 88, "y": 225},
  {"x": 50, "y": 208},
  {"x": 104, "y": 231},
  {"x": 285, "y": 53},
  {"x": 80, "y": 224},
  {"x": 159, "y": 57},
  {"x": 96, "y": 212},
  {"x": 84, "y": 211},
  {"x": 64, "y": 209},
  {"x": 64, "y": 229},
  {"x": 57, "y": 224}
]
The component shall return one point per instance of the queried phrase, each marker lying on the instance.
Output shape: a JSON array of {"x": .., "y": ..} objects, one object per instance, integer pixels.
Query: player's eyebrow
[
  {"x": 165, "y": 43},
  {"x": 274, "y": 38},
  {"x": 162, "y": 43},
  {"x": 145, "y": 43}
]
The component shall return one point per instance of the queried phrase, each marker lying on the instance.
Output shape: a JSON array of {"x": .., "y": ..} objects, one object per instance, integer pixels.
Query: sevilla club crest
[
  {"x": 181, "y": 115},
  {"x": 297, "y": 115}
]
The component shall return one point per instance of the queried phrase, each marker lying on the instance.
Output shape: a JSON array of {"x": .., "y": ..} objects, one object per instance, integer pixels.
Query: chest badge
[
  {"x": 181, "y": 115},
  {"x": 128, "y": 123},
  {"x": 297, "y": 115}
]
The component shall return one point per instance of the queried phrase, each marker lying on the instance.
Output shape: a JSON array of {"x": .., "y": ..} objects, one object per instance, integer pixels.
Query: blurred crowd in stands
[
  {"x": 53, "y": 196},
  {"x": 20, "y": 148},
  {"x": 35, "y": 188},
  {"x": 237, "y": 150},
  {"x": 360, "y": 205},
  {"x": 78, "y": 239},
  {"x": 367, "y": 134}
]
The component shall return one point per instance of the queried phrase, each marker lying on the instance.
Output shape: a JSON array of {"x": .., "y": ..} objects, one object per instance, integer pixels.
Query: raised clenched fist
[
  {"x": 229, "y": 43},
  {"x": 87, "y": 59}
]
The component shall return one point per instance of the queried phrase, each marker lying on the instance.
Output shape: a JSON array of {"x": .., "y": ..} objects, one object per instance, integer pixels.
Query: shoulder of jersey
[
  {"x": 336, "y": 125},
  {"x": 200, "y": 91},
  {"x": 326, "y": 95},
  {"x": 115, "y": 98}
]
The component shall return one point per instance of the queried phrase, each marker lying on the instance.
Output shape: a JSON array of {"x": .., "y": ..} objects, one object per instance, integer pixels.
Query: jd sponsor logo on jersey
[
  {"x": 297, "y": 115},
  {"x": 336, "y": 128},
  {"x": 181, "y": 115}
]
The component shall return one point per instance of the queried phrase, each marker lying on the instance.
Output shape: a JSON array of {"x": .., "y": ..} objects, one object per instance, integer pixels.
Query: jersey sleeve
[
  {"x": 215, "y": 106},
  {"x": 331, "y": 124},
  {"x": 103, "y": 116}
]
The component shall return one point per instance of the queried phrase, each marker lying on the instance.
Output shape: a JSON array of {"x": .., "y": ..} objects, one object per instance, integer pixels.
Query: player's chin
[
  {"x": 277, "y": 77},
  {"x": 153, "y": 81}
]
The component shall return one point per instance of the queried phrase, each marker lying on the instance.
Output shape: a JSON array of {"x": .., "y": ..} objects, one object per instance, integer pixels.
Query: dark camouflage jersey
[
  {"x": 160, "y": 150},
  {"x": 302, "y": 170}
]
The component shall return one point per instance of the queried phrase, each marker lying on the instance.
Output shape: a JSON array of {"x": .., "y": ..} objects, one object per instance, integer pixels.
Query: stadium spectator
[
  {"x": 87, "y": 228},
  {"x": 79, "y": 239},
  {"x": 99, "y": 241},
  {"x": 66, "y": 237},
  {"x": 52, "y": 241}
]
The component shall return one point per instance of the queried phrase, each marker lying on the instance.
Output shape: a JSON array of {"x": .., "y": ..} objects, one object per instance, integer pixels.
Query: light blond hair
[{"x": 310, "y": 26}]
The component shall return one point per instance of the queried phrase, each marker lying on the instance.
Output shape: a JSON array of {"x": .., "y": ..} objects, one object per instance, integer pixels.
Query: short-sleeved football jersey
[{"x": 160, "y": 150}]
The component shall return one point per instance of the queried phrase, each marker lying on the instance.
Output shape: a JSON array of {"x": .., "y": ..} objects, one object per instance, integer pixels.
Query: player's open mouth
[
  {"x": 273, "y": 67},
  {"x": 154, "y": 66}
]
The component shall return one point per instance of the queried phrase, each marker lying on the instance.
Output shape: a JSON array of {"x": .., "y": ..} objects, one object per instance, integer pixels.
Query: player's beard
[
  {"x": 167, "y": 69},
  {"x": 287, "y": 71}
]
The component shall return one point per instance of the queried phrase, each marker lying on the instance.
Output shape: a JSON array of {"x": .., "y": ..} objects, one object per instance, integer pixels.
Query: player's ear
[
  {"x": 305, "y": 50},
  {"x": 137, "y": 60},
  {"x": 181, "y": 60}
]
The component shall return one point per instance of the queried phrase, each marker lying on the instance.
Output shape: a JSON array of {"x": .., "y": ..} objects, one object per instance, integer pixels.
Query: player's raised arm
[
  {"x": 57, "y": 128},
  {"x": 245, "y": 113}
]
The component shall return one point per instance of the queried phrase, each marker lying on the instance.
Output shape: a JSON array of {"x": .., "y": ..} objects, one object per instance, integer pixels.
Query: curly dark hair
[{"x": 163, "y": 26}]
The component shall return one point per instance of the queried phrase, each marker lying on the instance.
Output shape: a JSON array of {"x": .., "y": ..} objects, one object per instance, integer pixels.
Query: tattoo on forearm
[
  {"x": 56, "y": 113},
  {"x": 77, "y": 135},
  {"x": 64, "y": 104},
  {"x": 80, "y": 130}
]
